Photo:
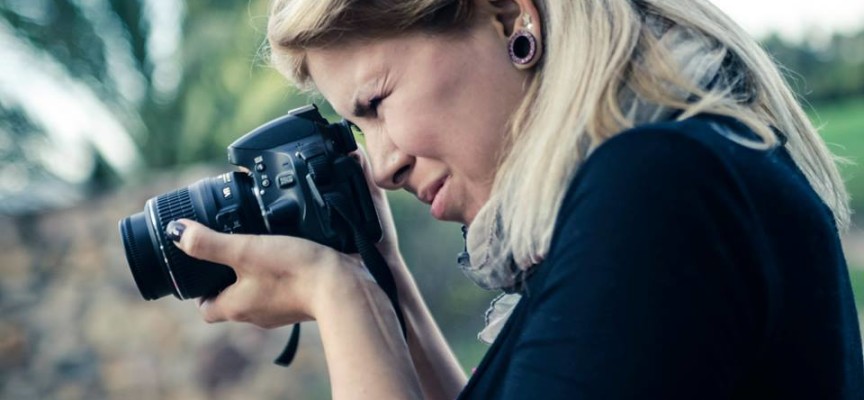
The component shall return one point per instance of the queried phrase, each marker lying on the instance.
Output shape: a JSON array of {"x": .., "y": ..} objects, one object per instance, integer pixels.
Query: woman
[{"x": 635, "y": 176}]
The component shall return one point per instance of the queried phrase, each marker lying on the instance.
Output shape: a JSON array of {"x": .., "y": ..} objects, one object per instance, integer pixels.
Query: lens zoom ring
[{"x": 174, "y": 205}]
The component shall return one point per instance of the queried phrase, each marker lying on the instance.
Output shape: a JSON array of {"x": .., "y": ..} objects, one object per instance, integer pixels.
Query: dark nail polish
[{"x": 174, "y": 230}]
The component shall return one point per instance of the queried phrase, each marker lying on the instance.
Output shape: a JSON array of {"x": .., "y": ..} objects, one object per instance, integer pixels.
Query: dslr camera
[{"x": 301, "y": 181}]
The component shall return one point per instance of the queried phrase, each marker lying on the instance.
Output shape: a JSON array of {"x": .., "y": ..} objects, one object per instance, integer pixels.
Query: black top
[{"x": 683, "y": 266}]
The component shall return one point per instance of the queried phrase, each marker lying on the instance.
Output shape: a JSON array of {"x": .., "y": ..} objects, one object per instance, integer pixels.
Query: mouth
[
  {"x": 429, "y": 194},
  {"x": 439, "y": 200}
]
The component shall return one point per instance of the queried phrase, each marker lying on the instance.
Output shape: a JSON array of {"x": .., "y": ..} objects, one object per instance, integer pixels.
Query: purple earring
[
  {"x": 523, "y": 44},
  {"x": 523, "y": 47}
]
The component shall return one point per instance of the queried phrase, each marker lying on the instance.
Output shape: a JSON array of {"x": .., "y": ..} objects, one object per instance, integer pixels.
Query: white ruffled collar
[{"x": 492, "y": 267}]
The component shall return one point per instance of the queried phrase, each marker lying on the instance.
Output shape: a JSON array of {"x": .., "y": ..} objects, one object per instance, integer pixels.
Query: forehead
[
  {"x": 341, "y": 72},
  {"x": 344, "y": 72}
]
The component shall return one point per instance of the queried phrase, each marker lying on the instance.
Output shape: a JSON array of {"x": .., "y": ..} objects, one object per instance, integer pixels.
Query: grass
[
  {"x": 856, "y": 274},
  {"x": 842, "y": 127}
]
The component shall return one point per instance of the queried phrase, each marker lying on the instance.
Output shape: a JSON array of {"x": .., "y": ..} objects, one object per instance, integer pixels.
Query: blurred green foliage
[
  {"x": 181, "y": 92},
  {"x": 842, "y": 126},
  {"x": 822, "y": 69},
  {"x": 856, "y": 273}
]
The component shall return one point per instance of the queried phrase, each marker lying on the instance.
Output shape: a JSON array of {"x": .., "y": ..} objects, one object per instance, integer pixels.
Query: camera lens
[
  {"x": 225, "y": 203},
  {"x": 137, "y": 239}
]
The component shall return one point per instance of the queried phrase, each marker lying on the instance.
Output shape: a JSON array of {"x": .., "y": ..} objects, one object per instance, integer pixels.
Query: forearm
[
  {"x": 366, "y": 354},
  {"x": 440, "y": 374}
]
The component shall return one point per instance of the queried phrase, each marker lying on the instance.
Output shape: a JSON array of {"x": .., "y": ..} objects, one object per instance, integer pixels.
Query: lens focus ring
[{"x": 169, "y": 207}]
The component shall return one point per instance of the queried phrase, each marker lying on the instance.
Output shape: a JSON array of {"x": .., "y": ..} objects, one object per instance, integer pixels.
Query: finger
[
  {"x": 209, "y": 311},
  {"x": 228, "y": 305},
  {"x": 379, "y": 196},
  {"x": 238, "y": 303},
  {"x": 223, "y": 307},
  {"x": 389, "y": 243},
  {"x": 363, "y": 158},
  {"x": 203, "y": 243}
]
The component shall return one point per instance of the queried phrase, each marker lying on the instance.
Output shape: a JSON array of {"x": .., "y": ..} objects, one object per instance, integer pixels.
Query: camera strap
[{"x": 373, "y": 260}]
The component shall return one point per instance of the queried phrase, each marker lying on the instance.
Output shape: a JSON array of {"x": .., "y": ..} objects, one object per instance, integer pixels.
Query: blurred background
[{"x": 106, "y": 103}]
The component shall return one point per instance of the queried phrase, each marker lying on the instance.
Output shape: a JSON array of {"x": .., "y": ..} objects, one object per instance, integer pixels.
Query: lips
[
  {"x": 428, "y": 194},
  {"x": 439, "y": 201}
]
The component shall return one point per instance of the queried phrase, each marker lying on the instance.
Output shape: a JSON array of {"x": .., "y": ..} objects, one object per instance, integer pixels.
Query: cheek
[
  {"x": 438, "y": 128},
  {"x": 454, "y": 107},
  {"x": 419, "y": 128},
  {"x": 459, "y": 130}
]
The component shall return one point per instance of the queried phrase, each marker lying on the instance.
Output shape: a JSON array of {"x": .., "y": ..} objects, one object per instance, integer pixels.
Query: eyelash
[{"x": 374, "y": 103}]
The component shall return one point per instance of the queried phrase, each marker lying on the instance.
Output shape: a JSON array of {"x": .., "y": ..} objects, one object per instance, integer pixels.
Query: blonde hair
[{"x": 595, "y": 50}]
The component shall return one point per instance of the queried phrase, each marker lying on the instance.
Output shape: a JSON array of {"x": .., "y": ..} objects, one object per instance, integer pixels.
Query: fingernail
[{"x": 174, "y": 231}]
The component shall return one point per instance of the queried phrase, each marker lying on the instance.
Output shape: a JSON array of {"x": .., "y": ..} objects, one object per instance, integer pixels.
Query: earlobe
[
  {"x": 525, "y": 44},
  {"x": 518, "y": 22}
]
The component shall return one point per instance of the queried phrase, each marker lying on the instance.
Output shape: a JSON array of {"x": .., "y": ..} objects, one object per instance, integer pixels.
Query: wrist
[{"x": 345, "y": 286}]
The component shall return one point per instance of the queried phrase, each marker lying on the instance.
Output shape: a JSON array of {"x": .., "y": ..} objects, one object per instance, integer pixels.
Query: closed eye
[
  {"x": 374, "y": 103},
  {"x": 369, "y": 109}
]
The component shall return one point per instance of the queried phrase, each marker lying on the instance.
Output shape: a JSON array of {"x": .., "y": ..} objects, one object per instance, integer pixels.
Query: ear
[{"x": 515, "y": 17}]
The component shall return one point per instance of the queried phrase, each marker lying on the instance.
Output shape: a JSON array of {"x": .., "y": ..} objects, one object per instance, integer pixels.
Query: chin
[
  {"x": 467, "y": 219},
  {"x": 451, "y": 216}
]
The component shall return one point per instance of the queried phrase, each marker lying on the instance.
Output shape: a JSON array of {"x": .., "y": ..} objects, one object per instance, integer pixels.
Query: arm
[
  {"x": 437, "y": 369},
  {"x": 441, "y": 376},
  {"x": 299, "y": 280}
]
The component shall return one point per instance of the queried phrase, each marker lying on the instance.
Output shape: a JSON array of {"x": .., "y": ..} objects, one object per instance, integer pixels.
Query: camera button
[
  {"x": 285, "y": 180},
  {"x": 265, "y": 182},
  {"x": 260, "y": 167}
]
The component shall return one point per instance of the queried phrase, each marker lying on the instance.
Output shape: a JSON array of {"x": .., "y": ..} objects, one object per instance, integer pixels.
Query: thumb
[
  {"x": 203, "y": 243},
  {"x": 379, "y": 196}
]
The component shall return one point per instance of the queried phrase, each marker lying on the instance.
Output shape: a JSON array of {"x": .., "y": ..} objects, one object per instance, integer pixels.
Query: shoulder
[
  {"x": 664, "y": 186},
  {"x": 660, "y": 161},
  {"x": 653, "y": 250},
  {"x": 658, "y": 213},
  {"x": 698, "y": 143},
  {"x": 699, "y": 156}
]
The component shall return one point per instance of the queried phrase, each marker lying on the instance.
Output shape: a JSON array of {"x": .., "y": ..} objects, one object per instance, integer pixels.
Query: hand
[
  {"x": 280, "y": 279},
  {"x": 389, "y": 244}
]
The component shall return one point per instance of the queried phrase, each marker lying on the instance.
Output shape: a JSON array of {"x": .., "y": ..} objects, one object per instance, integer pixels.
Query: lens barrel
[
  {"x": 138, "y": 242},
  {"x": 225, "y": 203}
]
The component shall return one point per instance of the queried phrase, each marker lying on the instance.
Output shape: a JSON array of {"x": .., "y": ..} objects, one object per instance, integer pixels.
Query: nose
[{"x": 390, "y": 165}]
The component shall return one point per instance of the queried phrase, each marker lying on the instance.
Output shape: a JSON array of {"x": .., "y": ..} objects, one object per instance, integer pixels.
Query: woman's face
[{"x": 433, "y": 109}]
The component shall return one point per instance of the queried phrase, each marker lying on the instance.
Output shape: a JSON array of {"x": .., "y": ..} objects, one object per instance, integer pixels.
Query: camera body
[
  {"x": 295, "y": 164},
  {"x": 293, "y": 161}
]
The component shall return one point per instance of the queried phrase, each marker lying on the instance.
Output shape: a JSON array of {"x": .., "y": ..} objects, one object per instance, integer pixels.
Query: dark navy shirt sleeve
[{"x": 651, "y": 287}]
